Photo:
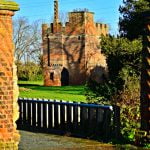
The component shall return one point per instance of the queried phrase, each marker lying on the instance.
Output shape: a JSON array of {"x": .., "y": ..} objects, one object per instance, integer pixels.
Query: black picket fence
[{"x": 89, "y": 120}]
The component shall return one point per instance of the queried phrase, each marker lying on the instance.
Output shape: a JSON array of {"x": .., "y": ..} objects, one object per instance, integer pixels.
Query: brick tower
[{"x": 71, "y": 53}]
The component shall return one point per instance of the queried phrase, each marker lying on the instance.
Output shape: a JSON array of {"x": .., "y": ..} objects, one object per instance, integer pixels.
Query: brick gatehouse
[{"x": 71, "y": 53}]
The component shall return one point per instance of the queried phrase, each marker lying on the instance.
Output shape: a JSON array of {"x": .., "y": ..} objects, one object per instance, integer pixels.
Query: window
[{"x": 52, "y": 76}]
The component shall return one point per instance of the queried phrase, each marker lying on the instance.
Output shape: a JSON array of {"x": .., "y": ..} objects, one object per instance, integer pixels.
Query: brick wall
[{"x": 9, "y": 137}]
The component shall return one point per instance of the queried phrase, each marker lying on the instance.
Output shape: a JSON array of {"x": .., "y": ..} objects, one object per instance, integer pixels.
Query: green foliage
[
  {"x": 34, "y": 89},
  {"x": 29, "y": 71},
  {"x": 147, "y": 145},
  {"x": 122, "y": 87},
  {"x": 131, "y": 22},
  {"x": 122, "y": 53},
  {"x": 99, "y": 93},
  {"x": 131, "y": 26},
  {"x": 129, "y": 102}
]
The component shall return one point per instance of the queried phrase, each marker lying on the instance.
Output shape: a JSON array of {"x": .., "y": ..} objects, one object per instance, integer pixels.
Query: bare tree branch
[{"x": 27, "y": 39}]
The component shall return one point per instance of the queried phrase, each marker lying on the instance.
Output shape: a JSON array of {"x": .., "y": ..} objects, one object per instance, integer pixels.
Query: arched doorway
[{"x": 64, "y": 77}]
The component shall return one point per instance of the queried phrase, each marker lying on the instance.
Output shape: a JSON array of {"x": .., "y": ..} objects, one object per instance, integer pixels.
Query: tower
[{"x": 71, "y": 52}]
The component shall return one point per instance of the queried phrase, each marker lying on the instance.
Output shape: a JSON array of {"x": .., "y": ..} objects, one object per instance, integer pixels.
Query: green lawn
[{"x": 35, "y": 89}]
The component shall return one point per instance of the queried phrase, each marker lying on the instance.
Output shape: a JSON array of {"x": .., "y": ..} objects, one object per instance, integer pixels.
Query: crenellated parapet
[
  {"x": 102, "y": 29},
  {"x": 79, "y": 23}
]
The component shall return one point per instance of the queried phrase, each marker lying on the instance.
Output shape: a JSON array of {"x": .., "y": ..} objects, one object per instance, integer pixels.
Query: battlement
[
  {"x": 102, "y": 29},
  {"x": 80, "y": 22},
  {"x": 101, "y": 26},
  {"x": 80, "y": 17}
]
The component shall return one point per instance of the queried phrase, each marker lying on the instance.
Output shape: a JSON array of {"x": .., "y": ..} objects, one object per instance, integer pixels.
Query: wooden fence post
[{"x": 116, "y": 122}]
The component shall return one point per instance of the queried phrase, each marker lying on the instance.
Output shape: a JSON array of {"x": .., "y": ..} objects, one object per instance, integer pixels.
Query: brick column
[
  {"x": 145, "y": 76},
  {"x": 9, "y": 137}
]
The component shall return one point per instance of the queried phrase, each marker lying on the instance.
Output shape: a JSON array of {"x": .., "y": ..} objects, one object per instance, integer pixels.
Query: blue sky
[{"x": 106, "y": 11}]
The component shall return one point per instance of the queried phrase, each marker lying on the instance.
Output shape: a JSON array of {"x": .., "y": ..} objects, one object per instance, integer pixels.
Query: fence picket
[
  {"x": 91, "y": 120},
  {"x": 49, "y": 115},
  {"x": 39, "y": 119},
  {"x": 62, "y": 117},
  {"x": 29, "y": 113},
  {"x": 84, "y": 120},
  {"x": 75, "y": 118},
  {"x": 24, "y": 112},
  {"x": 106, "y": 124},
  {"x": 99, "y": 121},
  {"x": 34, "y": 114},
  {"x": 56, "y": 115},
  {"x": 68, "y": 118},
  {"x": 116, "y": 122},
  {"x": 45, "y": 115}
]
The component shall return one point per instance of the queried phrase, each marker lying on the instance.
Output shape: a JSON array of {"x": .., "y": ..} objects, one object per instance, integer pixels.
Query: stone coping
[{"x": 8, "y": 5}]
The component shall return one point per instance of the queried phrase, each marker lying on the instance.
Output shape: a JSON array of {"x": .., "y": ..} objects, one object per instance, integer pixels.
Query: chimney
[{"x": 56, "y": 20}]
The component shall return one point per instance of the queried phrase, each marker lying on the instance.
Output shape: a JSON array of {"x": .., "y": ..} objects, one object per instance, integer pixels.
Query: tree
[
  {"x": 131, "y": 21},
  {"x": 27, "y": 40},
  {"x": 122, "y": 86},
  {"x": 122, "y": 53},
  {"x": 29, "y": 71},
  {"x": 124, "y": 64}
]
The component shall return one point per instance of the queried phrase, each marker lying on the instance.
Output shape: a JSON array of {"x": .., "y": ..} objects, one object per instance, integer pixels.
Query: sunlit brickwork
[{"x": 9, "y": 137}]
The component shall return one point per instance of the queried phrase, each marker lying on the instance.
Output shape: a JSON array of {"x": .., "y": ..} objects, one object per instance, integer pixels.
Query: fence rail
[{"x": 77, "y": 118}]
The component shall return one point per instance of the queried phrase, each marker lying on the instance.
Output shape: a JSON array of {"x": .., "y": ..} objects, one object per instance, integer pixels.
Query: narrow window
[
  {"x": 79, "y": 37},
  {"x": 48, "y": 49},
  {"x": 52, "y": 76}
]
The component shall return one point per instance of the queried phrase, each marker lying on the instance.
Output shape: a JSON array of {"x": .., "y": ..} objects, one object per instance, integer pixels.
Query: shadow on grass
[
  {"x": 76, "y": 90},
  {"x": 20, "y": 85}
]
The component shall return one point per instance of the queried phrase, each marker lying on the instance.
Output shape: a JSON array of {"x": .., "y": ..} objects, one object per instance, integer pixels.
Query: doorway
[{"x": 64, "y": 77}]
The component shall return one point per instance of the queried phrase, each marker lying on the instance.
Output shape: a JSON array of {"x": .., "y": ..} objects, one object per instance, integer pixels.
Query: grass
[
  {"x": 35, "y": 89},
  {"x": 30, "y": 82}
]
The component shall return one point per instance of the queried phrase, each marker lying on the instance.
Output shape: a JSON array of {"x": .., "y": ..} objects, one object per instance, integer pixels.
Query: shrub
[
  {"x": 29, "y": 71},
  {"x": 128, "y": 99}
]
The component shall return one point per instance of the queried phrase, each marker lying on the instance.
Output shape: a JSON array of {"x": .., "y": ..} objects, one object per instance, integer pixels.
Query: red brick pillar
[
  {"x": 145, "y": 76},
  {"x": 9, "y": 137}
]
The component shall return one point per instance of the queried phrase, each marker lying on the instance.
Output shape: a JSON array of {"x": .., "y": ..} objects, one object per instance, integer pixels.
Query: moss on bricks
[
  {"x": 8, "y": 146},
  {"x": 8, "y": 5}
]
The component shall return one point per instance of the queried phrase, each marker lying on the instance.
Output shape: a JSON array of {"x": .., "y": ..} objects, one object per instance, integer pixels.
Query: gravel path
[{"x": 40, "y": 141}]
